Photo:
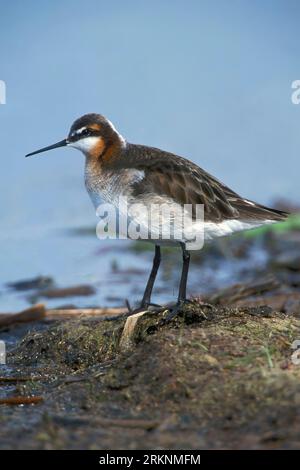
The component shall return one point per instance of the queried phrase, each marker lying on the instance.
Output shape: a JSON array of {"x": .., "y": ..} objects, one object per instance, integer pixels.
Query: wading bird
[{"x": 115, "y": 167}]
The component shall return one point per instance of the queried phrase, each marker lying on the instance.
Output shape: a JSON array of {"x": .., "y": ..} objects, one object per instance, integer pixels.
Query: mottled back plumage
[{"x": 186, "y": 183}]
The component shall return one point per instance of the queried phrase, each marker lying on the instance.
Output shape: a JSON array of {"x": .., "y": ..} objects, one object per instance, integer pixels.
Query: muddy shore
[{"x": 222, "y": 375}]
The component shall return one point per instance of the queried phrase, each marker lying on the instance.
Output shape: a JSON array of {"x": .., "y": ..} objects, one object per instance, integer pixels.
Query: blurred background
[{"x": 209, "y": 80}]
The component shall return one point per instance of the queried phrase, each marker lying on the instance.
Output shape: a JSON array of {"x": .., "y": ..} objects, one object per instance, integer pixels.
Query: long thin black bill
[{"x": 62, "y": 143}]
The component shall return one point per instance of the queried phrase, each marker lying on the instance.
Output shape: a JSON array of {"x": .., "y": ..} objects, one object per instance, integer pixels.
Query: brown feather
[{"x": 186, "y": 183}]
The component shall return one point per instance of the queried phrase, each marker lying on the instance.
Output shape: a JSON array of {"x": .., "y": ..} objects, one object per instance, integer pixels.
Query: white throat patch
[{"x": 86, "y": 144}]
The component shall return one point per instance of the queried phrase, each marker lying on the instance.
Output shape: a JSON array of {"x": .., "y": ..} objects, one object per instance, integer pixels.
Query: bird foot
[
  {"x": 151, "y": 307},
  {"x": 176, "y": 309}
]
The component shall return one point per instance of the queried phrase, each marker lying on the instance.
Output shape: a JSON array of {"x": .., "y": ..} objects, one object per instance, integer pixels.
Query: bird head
[{"x": 93, "y": 134}]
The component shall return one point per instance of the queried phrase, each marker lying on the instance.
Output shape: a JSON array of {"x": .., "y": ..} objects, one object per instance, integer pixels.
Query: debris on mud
[
  {"x": 39, "y": 282},
  {"x": 225, "y": 373},
  {"x": 32, "y": 314},
  {"x": 216, "y": 376},
  {"x": 54, "y": 293}
]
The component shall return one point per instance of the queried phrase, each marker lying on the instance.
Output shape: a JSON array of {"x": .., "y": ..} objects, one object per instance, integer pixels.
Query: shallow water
[{"x": 115, "y": 268}]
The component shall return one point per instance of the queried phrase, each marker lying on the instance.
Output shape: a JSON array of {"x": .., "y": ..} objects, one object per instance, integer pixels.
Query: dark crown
[{"x": 91, "y": 125}]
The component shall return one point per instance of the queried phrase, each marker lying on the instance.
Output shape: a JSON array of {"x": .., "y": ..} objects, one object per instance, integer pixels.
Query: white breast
[{"x": 108, "y": 186}]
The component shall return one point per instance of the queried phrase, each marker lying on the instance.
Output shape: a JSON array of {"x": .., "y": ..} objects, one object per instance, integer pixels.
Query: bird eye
[{"x": 85, "y": 132}]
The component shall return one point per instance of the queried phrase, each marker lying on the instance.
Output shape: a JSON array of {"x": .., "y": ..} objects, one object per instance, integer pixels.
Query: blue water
[{"x": 211, "y": 82}]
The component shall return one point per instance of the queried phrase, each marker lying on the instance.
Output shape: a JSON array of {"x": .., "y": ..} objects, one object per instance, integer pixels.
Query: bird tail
[{"x": 249, "y": 210}]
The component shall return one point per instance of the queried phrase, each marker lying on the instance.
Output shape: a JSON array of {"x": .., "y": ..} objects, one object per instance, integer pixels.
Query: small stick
[
  {"x": 37, "y": 312},
  {"x": 20, "y": 400},
  {"x": 128, "y": 330},
  {"x": 58, "y": 314},
  {"x": 128, "y": 423},
  {"x": 19, "y": 379}
]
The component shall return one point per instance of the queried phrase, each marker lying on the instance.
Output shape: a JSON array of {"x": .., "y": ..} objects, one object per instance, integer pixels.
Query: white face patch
[{"x": 86, "y": 144}]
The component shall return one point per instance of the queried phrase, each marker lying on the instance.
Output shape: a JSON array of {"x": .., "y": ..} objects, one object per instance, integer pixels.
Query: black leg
[
  {"x": 148, "y": 291},
  {"x": 182, "y": 286},
  {"x": 184, "y": 274}
]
